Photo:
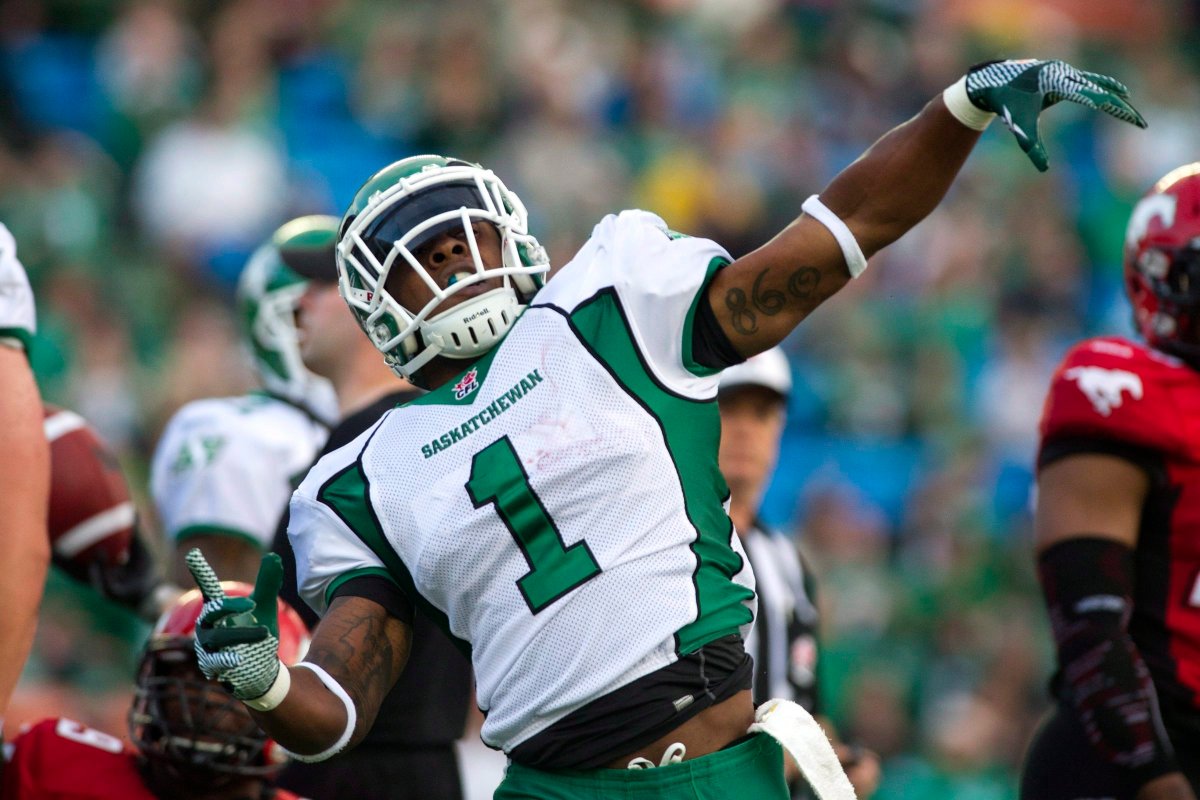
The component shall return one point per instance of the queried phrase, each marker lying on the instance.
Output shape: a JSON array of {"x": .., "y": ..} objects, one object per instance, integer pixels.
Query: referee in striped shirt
[{"x": 753, "y": 400}]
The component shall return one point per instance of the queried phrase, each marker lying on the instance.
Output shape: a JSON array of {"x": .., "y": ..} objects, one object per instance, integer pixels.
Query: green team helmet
[
  {"x": 406, "y": 205},
  {"x": 268, "y": 295}
]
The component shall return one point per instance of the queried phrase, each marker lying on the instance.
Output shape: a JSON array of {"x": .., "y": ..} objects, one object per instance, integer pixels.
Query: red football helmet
[
  {"x": 1162, "y": 263},
  {"x": 189, "y": 731}
]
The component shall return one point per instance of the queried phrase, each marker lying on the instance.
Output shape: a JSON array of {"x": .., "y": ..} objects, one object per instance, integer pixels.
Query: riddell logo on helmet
[{"x": 467, "y": 385}]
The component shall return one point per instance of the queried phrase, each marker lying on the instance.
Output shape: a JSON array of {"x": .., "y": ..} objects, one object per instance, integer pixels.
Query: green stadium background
[{"x": 147, "y": 147}]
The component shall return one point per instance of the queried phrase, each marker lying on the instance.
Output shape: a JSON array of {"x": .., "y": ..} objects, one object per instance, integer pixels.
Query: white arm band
[
  {"x": 966, "y": 112},
  {"x": 856, "y": 262},
  {"x": 273, "y": 696},
  {"x": 351, "y": 716}
]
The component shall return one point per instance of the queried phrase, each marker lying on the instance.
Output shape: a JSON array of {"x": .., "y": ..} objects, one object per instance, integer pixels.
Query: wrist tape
[
  {"x": 273, "y": 696},
  {"x": 966, "y": 112}
]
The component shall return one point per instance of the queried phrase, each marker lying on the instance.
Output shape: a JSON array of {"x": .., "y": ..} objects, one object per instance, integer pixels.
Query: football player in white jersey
[
  {"x": 24, "y": 474},
  {"x": 554, "y": 500},
  {"x": 225, "y": 467}
]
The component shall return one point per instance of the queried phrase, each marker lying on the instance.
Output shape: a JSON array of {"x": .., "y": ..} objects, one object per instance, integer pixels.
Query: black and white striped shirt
[{"x": 783, "y": 640}]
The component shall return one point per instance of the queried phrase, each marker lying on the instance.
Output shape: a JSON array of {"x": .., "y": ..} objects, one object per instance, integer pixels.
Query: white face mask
[{"x": 414, "y": 210}]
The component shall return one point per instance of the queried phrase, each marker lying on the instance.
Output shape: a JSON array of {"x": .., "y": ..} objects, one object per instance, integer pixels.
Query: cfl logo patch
[{"x": 468, "y": 384}]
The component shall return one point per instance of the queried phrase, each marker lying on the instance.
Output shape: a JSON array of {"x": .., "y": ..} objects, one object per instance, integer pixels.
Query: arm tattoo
[
  {"x": 803, "y": 282},
  {"x": 359, "y": 653},
  {"x": 768, "y": 301},
  {"x": 742, "y": 318}
]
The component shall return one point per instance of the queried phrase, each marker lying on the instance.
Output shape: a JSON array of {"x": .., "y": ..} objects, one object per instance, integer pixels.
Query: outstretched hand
[
  {"x": 237, "y": 638},
  {"x": 1018, "y": 92}
]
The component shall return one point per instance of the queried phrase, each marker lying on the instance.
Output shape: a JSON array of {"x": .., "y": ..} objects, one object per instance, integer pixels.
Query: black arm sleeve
[
  {"x": 710, "y": 345},
  {"x": 381, "y": 591},
  {"x": 1088, "y": 584}
]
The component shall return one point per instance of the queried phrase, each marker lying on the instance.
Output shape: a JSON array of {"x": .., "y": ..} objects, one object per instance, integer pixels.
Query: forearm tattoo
[
  {"x": 358, "y": 650},
  {"x": 743, "y": 311}
]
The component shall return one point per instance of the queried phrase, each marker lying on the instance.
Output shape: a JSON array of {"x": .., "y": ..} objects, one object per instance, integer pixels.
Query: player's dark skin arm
[
  {"x": 1098, "y": 495},
  {"x": 762, "y": 296},
  {"x": 232, "y": 558},
  {"x": 363, "y": 648}
]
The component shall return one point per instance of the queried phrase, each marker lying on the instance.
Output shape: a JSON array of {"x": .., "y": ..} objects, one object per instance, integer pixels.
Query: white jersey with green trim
[
  {"x": 229, "y": 464},
  {"x": 18, "y": 320},
  {"x": 558, "y": 507}
]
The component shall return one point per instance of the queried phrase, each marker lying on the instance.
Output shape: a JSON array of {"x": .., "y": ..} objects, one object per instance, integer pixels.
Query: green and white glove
[
  {"x": 1018, "y": 91},
  {"x": 237, "y": 638}
]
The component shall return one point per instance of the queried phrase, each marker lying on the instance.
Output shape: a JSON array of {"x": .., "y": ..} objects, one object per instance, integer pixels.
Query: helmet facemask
[
  {"x": 193, "y": 737},
  {"x": 1162, "y": 264},
  {"x": 1166, "y": 280},
  {"x": 415, "y": 211}
]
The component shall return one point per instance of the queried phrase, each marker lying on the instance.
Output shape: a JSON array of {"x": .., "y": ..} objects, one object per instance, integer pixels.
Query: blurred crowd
[{"x": 147, "y": 146}]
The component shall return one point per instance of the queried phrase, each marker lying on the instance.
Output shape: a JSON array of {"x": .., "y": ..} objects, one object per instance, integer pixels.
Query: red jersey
[
  {"x": 1111, "y": 395},
  {"x": 60, "y": 759}
]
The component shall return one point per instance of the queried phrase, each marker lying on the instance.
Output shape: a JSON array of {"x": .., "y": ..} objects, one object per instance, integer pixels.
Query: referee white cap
[{"x": 769, "y": 369}]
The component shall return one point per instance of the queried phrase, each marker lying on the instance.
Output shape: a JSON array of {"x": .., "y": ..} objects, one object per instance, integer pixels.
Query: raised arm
[
  {"x": 762, "y": 296},
  {"x": 327, "y": 702}
]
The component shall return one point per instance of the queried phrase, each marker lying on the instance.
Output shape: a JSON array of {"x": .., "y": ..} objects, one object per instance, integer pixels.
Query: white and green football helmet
[
  {"x": 268, "y": 295},
  {"x": 404, "y": 206}
]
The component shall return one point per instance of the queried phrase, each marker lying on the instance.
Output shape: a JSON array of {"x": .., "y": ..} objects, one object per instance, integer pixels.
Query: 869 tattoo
[{"x": 801, "y": 284}]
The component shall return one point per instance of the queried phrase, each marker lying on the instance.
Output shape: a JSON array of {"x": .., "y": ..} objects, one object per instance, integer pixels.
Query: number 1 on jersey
[{"x": 498, "y": 478}]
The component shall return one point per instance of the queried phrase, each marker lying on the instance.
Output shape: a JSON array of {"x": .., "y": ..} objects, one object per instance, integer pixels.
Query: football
[{"x": 91, "y": 515}]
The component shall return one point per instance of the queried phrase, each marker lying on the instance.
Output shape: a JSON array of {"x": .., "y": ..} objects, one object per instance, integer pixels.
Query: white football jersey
[
  {"x": 558, "y": 507},
  {"x": 229, "y": 464},
  {"x": 18, "y": 321}
]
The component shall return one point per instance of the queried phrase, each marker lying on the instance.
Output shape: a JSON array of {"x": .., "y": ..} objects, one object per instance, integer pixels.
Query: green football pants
[{"x": 751, "y": 770}]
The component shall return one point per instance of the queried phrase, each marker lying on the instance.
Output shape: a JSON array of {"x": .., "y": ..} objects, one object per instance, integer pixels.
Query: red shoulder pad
[
  {"x": 1117, "y": 390},
  {"x": 59, "y": 758}
]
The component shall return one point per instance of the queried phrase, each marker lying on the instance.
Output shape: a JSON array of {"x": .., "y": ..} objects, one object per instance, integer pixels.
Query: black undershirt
[
  {"x": 710, "y": 344},
  {"x": 631, "y": 717}
]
